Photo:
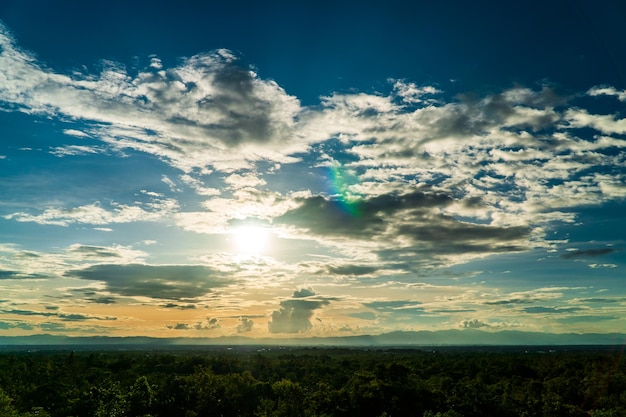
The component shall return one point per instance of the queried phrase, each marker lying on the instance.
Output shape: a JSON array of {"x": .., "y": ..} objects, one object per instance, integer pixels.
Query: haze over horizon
[{"x": 313, "y": 169}]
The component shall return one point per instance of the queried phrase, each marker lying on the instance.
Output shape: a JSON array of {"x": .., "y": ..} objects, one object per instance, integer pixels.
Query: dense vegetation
[{"x": 313, "y": 382}]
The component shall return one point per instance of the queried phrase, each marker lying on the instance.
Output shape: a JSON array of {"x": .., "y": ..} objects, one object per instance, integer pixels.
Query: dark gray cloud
[
  {"x": 241, "y": 114},
  {"x": 94, "y": 251},
  {"x": 6, "y": 274},
  {"x": 245, "y": 325},
  {"x": 351, "y": 269},
  {"x": 93, "y": 296},
  {"x": 448, "y": 235},
  {"x": 62, "y": 316},
  {"x": 102, "y": 300},
  {"x": 477, "y": 116},
  {"x": 295, "y": 314},
  {"x": 180, "y": 306},
  {"x": 171, "y": 282},
  {"x": 415, "y": 217},
  {"x": 587, "y": 253},
  {"x": 15, "y": 325},
  {"x": 362, "y": 218}
]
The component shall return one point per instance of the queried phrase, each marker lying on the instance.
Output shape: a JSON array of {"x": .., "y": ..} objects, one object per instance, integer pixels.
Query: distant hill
[{"x": 468, "y": 337}]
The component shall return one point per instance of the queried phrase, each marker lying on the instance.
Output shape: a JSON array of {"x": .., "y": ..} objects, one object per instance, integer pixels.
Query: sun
[{"x": 250, "y": 240}]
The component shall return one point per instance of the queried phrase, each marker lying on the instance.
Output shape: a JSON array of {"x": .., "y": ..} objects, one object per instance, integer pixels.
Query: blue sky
[{"x": 311, "y": 169}]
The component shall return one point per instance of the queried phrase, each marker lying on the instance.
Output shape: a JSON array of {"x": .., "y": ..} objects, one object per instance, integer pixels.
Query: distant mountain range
[{"x": 468, "y": 337}]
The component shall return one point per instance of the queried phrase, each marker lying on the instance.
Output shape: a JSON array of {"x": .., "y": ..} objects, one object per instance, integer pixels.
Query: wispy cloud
[
  {"x": 96, "y": 214},
  {"x": 62, "y": 316}
]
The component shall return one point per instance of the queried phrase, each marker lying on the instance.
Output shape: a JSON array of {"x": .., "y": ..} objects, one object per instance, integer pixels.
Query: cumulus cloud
[
  {"x": 474, "y": 324},
  {"x": 172, "y": 282},
  {"x": 295, "y": 313},
  {"x": 207, "y": 110},
  {"x": 208, "y": 324},
  {"x": 245, "y": 325},
  {"x": 178, "y": 326}
]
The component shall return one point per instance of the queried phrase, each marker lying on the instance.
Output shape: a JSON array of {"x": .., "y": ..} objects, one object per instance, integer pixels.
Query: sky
[{"x": 298, "y": 169}]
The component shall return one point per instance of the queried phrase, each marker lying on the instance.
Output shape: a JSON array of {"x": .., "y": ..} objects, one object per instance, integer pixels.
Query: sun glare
[{"x": 250, "y": 240}]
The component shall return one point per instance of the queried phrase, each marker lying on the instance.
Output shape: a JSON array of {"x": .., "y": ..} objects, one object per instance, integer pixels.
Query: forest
[{"x": 275, "y": 382}]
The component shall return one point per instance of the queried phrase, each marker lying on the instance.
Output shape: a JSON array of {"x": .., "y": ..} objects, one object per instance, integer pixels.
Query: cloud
[
  {"x": 178, "y": 326},
  {"x": 529, "y": 297},
  {"x": 208, "y": 102},
  {"x": 551, "y": 310},
  {"x": 76, "y": 133},
  {"x": 514, "y": 148},
  {"x": 15, "y": 325},
  {"x": 430, "y": 179},
  {"x": 360, "y": 218},
  {"x": 394, "y": 306},
  {"x": 180, "y": 306},
  {"x": 172, "y": 282},
  {"x": 89, "y": 251},
  {"x": 607, "y": 124},
  {"x": 404, "y": 225},
  {"x": 595, "y": 266},
  {"x": 208, "y": 324},
  {"x": 349, "y": 269},
  {"x": 474, "y": 324},
  {"x": 410, "y": 93},
  {"x": 96, "y": 214},
  {"x": 609, "y": 91},
  {"x": 102, "y": 300},
  {"x": 78, "y": 253},
  {"x": 511, "y": 301},
  {"x": 606, "y": 300},
  {"x": 62, "y": 316},
  {"x": 245, "y": 325},
  {"x": 587, "y": 253},
  {"x": 6, "y": 274},
  {"x": 294, "y": 315}
]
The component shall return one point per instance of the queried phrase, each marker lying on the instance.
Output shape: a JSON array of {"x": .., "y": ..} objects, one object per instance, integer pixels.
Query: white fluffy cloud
[{"x": 207, "y": 111}]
